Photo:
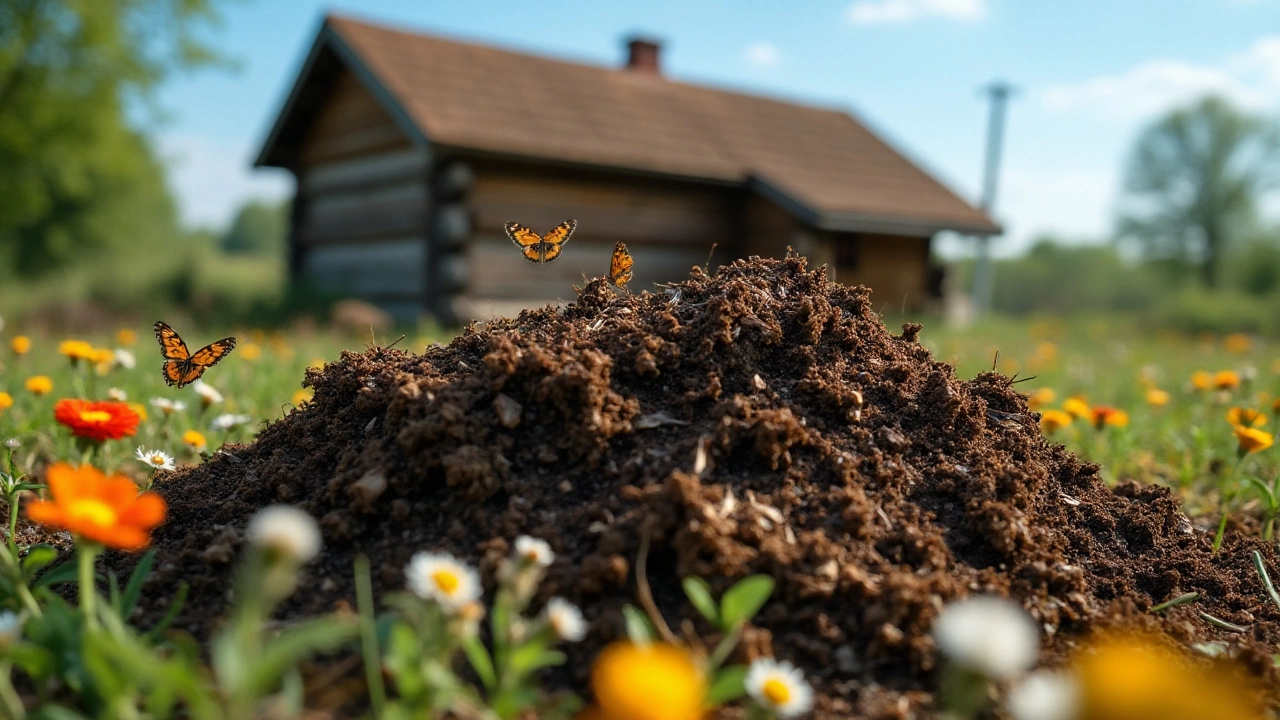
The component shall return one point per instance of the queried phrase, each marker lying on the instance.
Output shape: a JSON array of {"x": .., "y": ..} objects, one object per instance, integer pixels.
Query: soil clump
[{"x": 761, "y": 420}]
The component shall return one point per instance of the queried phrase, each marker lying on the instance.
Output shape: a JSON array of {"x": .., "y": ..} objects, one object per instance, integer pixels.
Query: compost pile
[{"x": 761, "y": 420}]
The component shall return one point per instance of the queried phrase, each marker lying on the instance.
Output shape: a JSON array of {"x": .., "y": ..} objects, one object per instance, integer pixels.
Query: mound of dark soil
[{"x": 722, "y": 417}]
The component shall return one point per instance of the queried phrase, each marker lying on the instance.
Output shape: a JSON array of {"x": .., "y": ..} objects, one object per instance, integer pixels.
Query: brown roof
[{"x": 820, "y": 164}]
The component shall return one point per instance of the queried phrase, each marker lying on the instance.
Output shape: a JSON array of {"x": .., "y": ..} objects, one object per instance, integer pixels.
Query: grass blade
[
  {"x": 1266, "y": 579},
  {"x": 1180, "y": 600}
]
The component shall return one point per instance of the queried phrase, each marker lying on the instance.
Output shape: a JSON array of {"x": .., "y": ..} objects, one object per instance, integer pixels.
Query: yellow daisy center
[
  {"x": 95, "y": 416},
  {"x": 91, "y": 511},
  {"x": 157, "y": 459},
  {"x": 446, "y": 580},
  {"x": 777, "y": 691}
]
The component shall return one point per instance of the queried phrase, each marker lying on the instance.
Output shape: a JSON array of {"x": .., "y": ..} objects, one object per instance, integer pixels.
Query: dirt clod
[{"x": 758, "y": 421}]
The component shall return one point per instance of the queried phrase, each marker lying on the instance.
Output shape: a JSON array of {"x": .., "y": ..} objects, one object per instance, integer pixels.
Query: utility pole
[{"x": 998, "y": 92}]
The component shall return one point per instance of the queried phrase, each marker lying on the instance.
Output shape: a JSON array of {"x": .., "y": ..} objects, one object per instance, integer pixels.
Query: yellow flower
[
  {"x": 1157, "y": 397},
  {"x": 1041, "y": 397},
  {"x": 1246, "y": 417},
  {"x": 76, "y": 350},
  {"x": 6, "y": 401},
  {"x": 303, "y": 396},
  {"x": 1076, "y": 407},
  {"x": 1252, "y": 439},
  {"x": 21, "y": 344},
  {"x": 1226, "y": 380},
  {"x": 125, "y": 336},
  {"x": 1201, "y": 380},
  {"x": 647, "y": 682},
  {"x": 1046, "y": 352},
  {"x": 1052, "y": 421},
  {"x": 1129, "y": 677},
  {"x": 194, "y": 439},
  {"x": 39, "y": 384},
  {"x": 1102, "y": 415},
  {"x": 1237, "y": 343},
  {"x": 251, "y": 351},
  {"x": 138, "y": 408}
]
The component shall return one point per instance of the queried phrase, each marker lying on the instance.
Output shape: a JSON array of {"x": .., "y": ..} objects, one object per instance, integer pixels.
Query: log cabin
[{"x": 411, "y": 152}]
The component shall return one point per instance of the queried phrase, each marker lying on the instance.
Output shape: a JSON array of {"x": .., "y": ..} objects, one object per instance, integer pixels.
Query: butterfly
[
  {"x": 540, "y": 248},
  {"x": 620, "y": 265},
  {"x": 182, "y": 367}
]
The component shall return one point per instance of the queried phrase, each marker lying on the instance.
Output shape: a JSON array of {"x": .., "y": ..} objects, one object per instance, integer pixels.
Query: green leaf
[
  {"x": 1264, "y": 492},
  {"x": 175, "y": 607},
  {"x": 133, "y": 590},
  {"x": 37, "y": 559},
  {"x": 64, "y": 573},
  {"x": 728, "y": 685},
  {"x": 290, "y": 647},
  {"x": 699, "y": 593},
  {"x": 742, "y": 601},
  {"x": 480, "y": 661},
  {"x": 639, "y": 629}
]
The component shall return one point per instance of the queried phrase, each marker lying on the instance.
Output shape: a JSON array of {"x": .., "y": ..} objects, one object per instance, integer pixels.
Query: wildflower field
[{"x": 98, "y": 449}]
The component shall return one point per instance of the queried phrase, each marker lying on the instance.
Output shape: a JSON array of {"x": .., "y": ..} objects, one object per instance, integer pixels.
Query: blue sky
[{"x": 1089, "y": 74}]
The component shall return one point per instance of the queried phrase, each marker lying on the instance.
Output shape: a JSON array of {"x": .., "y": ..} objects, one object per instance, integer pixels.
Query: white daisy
[
  {"x": 167, "y": 406},
  {"x": 158, "y": 459},
  {"x": 125, "y": 359},
  {"x": 779, "y": 687},
  {"x": 534, "y": 551},
  {"x": 10, "y": 628},
  {"x": 13, "y": 443},
  {"x": 226, "y": 421},
  {"x": 1045, "y": 695},
  {"x": 988, "y": 634},
  {"x": 443, "y": 578},
  {"x": 117, "y": 394},
  {"x": 287, "y": 530},
  {"x": 565, "y": 620},
  {"x": 209, "y": 395}
]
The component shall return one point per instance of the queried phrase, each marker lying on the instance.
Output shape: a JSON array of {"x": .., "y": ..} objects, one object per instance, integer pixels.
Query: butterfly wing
[
  {"x": 620, "y": 265},
  {"x": 527, "y": 240},
  {"x": 205, "y": 358},
  {"x": 553, "y": 242},
  {"x": 171, "y": 346},
  {"x": 173, "y": 372}
]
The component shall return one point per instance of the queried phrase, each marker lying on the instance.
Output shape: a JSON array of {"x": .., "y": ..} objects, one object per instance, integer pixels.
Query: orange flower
[
  {"x": 1247, "y": 417},
  {"x": 1157, "y": 397},
  {"x": 251, "y": 351},
  {"x": 195, "y": 439},
  {"x": 103, "y": 509},
  {"x": 1252, "y": 439},
  {"x": 6, "y": 401},
  {"x": 1201, "y": 380},
  {"x": 1102, "y": 415},
  {"x": 1226, "y": 380},
  {"x": 97, "y": 420},
  {"x": 1076, "y": 407},
  {"x": 649, "y": 682},
  {"x": 39, "y": 385},
  {"x": 21, "y": 344},
  {"x": 125, "y": 336},
  {"x": 1237, "y": 343},
  {"x": 1052, "y": 421},
  {"x": 1040, "y": 398},
  {"x": 76, "y": 350}
]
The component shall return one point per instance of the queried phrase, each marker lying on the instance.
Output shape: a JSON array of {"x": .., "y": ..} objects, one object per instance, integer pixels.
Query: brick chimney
[{"x": 642, "y": 55}]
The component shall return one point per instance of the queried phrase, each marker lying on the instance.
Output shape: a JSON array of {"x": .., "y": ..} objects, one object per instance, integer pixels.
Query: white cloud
[
  {"x": 869, "y": 12},
  {"x": 1250, "y": 79},
  {"x": 212, "y": 178},
  {"x": 763, "y": 54}
]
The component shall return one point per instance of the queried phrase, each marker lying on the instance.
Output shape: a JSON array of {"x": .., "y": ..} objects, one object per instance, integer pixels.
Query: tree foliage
[
  {"x": 260, "y": 228},
  {"x": 1194, "y": 181},
  {"x": 76, "y": 177}
]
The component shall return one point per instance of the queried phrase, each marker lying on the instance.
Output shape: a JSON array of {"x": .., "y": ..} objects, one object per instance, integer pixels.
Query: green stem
[
  {"x": 1227, "y": 494},
  {"x": 13, "y": 523},
  {"x": 12, "y": 703},
  {"x": 369, "y": 636},
  {"x": 86, "y": 555},
  {"x": 13, "y": 567}
]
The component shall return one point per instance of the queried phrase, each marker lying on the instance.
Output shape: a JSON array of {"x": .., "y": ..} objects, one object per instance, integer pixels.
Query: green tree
[
  {"x": 1193, "y": 183},
  {"x": 76, "y": 177},
  {"x": 259, "y": 229}
]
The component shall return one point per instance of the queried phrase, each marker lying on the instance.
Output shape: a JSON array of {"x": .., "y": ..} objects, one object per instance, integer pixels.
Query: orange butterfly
[
  {"x": 182, "y": 367},
  {"x": 620, "y": 265},
  {"x": 540, "y": 248}
]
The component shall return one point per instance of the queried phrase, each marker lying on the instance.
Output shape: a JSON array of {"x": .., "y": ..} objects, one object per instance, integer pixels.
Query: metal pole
[{"x": 983, "y": 275}]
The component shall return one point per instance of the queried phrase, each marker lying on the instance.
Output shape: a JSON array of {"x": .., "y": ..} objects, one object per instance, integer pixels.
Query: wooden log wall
[
  {"x": 362, "y": 205},
  {"x": 896, "y": 268}
]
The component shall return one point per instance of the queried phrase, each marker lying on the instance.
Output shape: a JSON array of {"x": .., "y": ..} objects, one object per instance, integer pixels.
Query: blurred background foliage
[{"x": 88, "y": 226}]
